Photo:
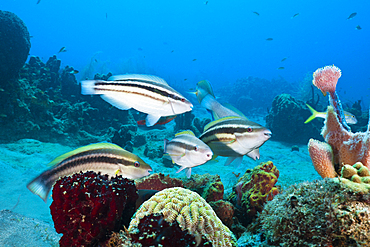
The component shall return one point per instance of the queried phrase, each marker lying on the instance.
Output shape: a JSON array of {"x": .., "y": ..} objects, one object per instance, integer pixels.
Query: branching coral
[{"x": 190, "y": 211}]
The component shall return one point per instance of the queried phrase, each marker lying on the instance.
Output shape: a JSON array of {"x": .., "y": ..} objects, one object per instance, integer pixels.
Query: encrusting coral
[
  {"x": 190, "y": 211},
  {"x": 254, "y": 189},
  {"x": 318, "y": 213}
]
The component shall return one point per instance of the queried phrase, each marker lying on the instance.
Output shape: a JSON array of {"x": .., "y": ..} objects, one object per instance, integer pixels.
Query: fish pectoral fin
[
  {"x": 254, "y": 154},
  {"x": 115, "y": 101},
  {"x": 151, "y": 120},
  {"x": 238, "y": 160},
  {"x": 116, "y": 173},
  {"x": 181, "y": 168},
  {"x": 230, "y": 160},
  {"x": 188, "y": 172}
]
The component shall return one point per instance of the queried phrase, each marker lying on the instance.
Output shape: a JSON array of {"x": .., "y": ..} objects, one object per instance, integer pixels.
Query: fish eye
[
  {"x": 249, "y": 129},
  {"x": 182, "y": 100},
  {"x": 196, "y": 148},
  {"x": 136, "y": 164}
]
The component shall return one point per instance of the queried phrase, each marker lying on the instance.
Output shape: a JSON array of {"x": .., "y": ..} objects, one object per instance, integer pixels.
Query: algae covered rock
[
  {"x": 286, "y": 120},
  {"x": 253, "y": 190},
  {"x": 14, "y": 45},
  {"x": 318, "y": 213}
]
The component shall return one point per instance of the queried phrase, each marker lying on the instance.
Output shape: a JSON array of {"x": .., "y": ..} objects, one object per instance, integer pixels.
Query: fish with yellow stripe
[
  {"x": 187, "y": 151},
  {"x": 232, "y": 134},
  {"x": 145, "y": 93},
  {"x": 106, "y": 158},
  {"x": 350, "y": 118},
  {"x": 234, "y": 137}
]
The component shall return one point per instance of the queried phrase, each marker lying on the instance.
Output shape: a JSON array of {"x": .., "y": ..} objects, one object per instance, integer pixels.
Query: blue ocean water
[{"x": 187, "y": 41}]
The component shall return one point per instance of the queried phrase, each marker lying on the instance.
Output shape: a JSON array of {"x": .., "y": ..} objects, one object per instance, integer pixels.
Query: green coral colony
[{"x": 103, "y": 196}]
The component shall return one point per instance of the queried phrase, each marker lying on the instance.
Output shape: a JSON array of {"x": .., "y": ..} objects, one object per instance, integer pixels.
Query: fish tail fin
[
  {"x": 313, "y": 116},
  {"x": 87, "y": 87},
  {"x": 39, "y": 187}
]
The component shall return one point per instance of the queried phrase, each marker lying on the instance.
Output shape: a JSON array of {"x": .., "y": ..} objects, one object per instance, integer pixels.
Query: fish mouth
[{"x": 267, "y": 133}]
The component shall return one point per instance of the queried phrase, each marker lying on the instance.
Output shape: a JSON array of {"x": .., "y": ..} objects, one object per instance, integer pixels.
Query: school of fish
[{"x": 231, "y": 134}]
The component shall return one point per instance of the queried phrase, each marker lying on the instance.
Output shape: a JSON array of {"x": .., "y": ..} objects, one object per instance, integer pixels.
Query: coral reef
[
  {"x": 157, "y": 181},
  {"x": 154, "y": 230},
  {"x": 318, "y": 213},
  {"x": 88, "y": 206},
  {"x": 184, "y": 121},
  {"x": 253, "y": 190},
  {"x": 342, "y": 146},
  {"x": 14, "y": 47},
  {"x": 208, "y": 186},
  {"x": 190, "y": 211},
  {"x": 199, "y": 124},
  {"x": 45, "y": 104},
  {"x": 154, "y": 150},
  {"x": 356, "y": 178},
  {"x": 225, "y": 211},
  {"x": 254, "y": 94},
  {"x": 286, "y": 120}
]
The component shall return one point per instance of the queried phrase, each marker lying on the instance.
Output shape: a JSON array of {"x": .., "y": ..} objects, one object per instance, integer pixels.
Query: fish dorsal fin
[
  {"x": 90, "y": 147},
  {"x": 237, "y": 111},
  {"x": 219, "y": 120},
  {"x": 149, "y": 78},
  {"x": 186, "y": 132}
]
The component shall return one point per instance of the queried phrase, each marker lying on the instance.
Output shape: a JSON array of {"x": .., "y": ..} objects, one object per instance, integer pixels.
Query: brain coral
[
  {"x": 14, "y": 45},
  {"x": 318, "y": 213},
  {"x": 190, "y": 211}
]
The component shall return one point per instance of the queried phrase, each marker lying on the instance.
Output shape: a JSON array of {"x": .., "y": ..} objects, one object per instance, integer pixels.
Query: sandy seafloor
[{"x": 32, "y": 224}]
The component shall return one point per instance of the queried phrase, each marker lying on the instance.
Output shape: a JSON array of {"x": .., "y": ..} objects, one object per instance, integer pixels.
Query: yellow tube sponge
[{"x": 191, "y": 212}]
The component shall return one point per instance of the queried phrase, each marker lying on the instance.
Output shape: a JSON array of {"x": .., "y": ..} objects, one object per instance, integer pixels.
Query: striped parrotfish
[
  {"x": 187, "y": 151},
  {"x": 234, "y": 137},
  {"x": 105, "y": 158},
  {"x": 145, "y": 93}
]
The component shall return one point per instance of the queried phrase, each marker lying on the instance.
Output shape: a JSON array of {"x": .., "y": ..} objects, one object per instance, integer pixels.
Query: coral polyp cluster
[
  {"x": 88, "y": 206},
  {"x": 356, "y": 178},
  {"x": 190, "y": 211}
]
